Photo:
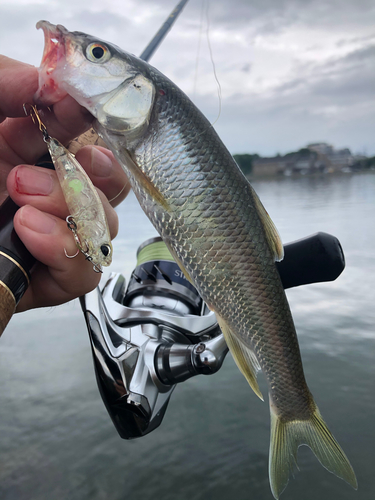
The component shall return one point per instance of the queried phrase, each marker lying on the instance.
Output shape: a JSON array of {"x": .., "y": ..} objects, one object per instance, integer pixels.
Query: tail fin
[{"x": 286, "y": 437}]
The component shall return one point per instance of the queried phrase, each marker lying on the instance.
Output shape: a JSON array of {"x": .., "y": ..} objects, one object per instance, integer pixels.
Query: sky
[{"x": 291, "y": 72}]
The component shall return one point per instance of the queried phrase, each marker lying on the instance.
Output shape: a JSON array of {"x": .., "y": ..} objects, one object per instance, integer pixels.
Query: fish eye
[
  {"x": 97, "y": 52},
  {"x": 106, "y": 250}
]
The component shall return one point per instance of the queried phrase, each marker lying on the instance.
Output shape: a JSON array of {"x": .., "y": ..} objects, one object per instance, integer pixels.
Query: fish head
[{"x": 107, "y": 81}]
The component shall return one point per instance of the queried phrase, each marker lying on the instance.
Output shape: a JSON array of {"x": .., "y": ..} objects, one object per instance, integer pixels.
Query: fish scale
[{"x": 188, "y": 245}]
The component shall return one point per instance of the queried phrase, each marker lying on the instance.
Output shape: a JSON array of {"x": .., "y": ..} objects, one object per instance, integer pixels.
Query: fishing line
[
  {"x": 118, "y": 194},
  {"x": 198, "y": 49},
  {"x": 205, "y": 13},
  {"x": 212, "y": 59}
]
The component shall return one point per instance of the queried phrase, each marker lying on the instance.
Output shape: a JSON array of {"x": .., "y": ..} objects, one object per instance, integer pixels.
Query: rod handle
[{"x": 15, "y": 264}]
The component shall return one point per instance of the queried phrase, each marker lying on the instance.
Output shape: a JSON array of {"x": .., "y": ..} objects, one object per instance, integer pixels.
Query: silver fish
[{"x": 210, "y": 218}]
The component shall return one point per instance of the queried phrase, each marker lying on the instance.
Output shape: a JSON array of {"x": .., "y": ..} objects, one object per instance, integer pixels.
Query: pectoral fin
[
  {"x": 243, "y": 356},
  {"x": 145, "y": 182}
]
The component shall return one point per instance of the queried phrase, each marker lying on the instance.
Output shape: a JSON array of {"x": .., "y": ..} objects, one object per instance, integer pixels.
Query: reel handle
[{"x": 313, "y": 259}]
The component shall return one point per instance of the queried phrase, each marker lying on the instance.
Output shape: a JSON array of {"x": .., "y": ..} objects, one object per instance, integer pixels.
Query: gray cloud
[
  {"x": 283, "y": 125},
  {"x": 324, "y": 91},
  {"x": 348, "y": 77},
  {"x": 356, "y": 39},
  {"x": 333, "y": 102}
]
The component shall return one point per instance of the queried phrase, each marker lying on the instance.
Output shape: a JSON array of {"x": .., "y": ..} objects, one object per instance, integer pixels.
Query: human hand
[{"x": 40, "y": 222}]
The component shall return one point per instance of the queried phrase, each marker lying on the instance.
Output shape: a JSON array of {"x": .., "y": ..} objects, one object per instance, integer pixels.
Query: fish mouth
[
  {"x": 54, "y": 44},
  {"x": 55, "y": 50}
]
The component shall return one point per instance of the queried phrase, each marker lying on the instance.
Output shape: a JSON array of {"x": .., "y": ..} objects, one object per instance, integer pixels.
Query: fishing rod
[
  {"x": 161, "y": 34},
  {"x": 16, "y": 261}
]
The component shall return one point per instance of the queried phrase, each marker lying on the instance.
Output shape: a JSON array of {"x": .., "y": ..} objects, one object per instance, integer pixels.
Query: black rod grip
[
  {"x": 313, "y": 259},
  {"x": 15, "y": 264},
  {"x": 9, "y": 240}
]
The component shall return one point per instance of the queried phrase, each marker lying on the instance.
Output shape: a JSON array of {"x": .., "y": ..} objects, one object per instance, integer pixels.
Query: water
[{"x": 58, "y": 443}]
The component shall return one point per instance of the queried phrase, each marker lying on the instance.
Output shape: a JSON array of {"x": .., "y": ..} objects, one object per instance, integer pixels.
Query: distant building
[
  {"x": 335, "y": 159},
  {"x": 321, "y": 148},
  {"x": 268, "y": 166},
  {"x": 300, "y": 162},
  {"x": 317, "y": 157}
]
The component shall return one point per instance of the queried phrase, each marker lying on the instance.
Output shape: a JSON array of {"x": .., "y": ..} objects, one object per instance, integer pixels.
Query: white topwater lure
[{"x": 87, "y": 219}]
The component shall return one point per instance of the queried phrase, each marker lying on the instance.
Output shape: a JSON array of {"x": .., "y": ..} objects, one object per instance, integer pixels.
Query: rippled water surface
[{"x": 58, "y": 443}]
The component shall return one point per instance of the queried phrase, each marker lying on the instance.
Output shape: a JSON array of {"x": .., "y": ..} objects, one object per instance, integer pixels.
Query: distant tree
[
  {"x": 304, "y": 151},
  {"x": 370, "y": 162},
  {"x": 364, "y": 163},
  {"x": 300, "y": 152},
  {"x": 245, "y": 162}
]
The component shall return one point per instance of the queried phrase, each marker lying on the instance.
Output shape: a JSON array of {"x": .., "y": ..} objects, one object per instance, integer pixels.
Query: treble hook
[
  {"x": 33, "y": 112},
  {"x": 71, "y": 223}
]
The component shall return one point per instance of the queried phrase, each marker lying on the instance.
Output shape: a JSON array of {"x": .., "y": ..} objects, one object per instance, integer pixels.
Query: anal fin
[{"x": 243, "y": 356}]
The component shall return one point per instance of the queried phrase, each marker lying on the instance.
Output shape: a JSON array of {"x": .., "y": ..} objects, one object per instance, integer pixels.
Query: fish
[
  {"x": 211, "y": 220},
  {"x": 87, "y": 219}
]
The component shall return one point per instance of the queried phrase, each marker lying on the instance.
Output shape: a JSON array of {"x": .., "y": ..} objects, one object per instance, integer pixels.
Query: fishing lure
[{"x": 87, "y": 219}]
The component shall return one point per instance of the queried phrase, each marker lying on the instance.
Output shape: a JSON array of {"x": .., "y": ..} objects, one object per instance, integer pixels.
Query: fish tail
[{"x": 287, "y": 436}]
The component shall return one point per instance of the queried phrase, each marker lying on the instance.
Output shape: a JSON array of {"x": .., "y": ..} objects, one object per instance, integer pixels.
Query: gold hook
[{"x": 33, "y": 112}]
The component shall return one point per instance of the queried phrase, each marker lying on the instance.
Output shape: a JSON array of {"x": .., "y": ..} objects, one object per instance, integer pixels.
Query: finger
[
  {"x": 105, "y": 172},
  {"x": 18, "y": 84},
  {"x": 56, "y": 279},
  {"x": 39, "y": 187},
  {"x": 21, "y": 140}
]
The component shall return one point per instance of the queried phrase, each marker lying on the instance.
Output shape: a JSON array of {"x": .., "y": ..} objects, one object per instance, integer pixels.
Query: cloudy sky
[{"x": 291, "y": 72}]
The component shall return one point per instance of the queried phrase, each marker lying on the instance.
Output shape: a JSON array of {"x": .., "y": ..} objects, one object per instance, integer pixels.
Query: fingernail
[
  {"x": 36, "y": 220},
  {"x": 101, "y": 165},
  {"x": 32, "y": 181}
]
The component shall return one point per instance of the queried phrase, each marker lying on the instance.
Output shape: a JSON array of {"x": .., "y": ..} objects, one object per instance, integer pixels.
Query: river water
[{"x": 58, "y": 443}]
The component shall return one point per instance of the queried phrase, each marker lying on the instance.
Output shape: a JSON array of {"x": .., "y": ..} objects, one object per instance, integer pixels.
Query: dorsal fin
[{"x": 270, "y": 229}]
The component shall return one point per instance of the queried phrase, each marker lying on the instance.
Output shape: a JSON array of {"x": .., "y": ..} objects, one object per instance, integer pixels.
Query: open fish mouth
[
  {"x": 55, "y": 50},
  {"x": 54, "y": 44}
]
